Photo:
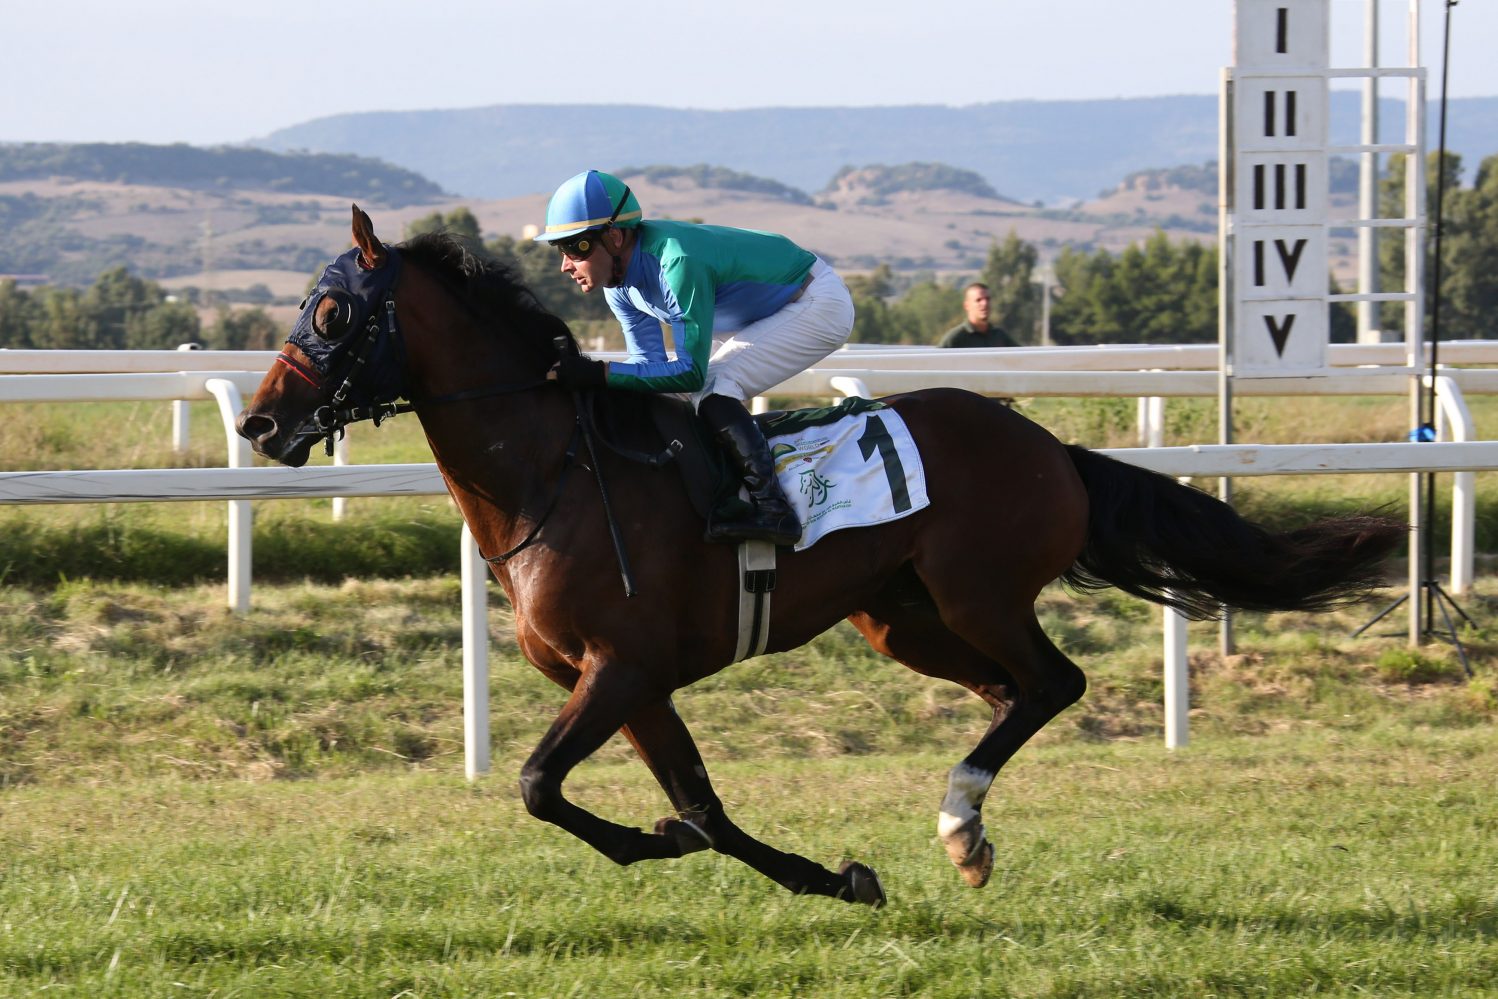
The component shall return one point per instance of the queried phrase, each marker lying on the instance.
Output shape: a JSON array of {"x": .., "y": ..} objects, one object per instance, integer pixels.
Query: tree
[
  {"x": 244, "y": 329},
  {"x": 1078, "y": 315},
  {"x": 115, "y": 299},
  {"x": 65, "y": 324},
  {"x": 1009, "y": 274},
  {"x": 926, "y": 311},
  {"x": 1470, "y": 258},
  {"x": 20, "y": 317},
  {"x": 871, "y": 313},
  {"x": 1391, "y": 250},
  {"x": 1157, "y": 292},
  {"x": 461, "y": 222},
  {"x": 163, "y": 327}
]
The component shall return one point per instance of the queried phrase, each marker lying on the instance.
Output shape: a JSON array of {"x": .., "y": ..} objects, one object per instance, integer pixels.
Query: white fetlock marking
[{"x": 961, "y": 808}]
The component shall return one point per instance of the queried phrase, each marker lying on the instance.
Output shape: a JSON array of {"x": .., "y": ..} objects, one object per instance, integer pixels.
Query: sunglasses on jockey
[{"x": 580, "y": 246}]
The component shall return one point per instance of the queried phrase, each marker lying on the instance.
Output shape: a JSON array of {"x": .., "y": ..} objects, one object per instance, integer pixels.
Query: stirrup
[{"x": 782, "y": 528}]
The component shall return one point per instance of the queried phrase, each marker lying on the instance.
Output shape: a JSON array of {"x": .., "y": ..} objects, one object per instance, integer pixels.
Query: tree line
[
  {"x": 1157, "y": 291},
  {"x": 123, "y": 312}
]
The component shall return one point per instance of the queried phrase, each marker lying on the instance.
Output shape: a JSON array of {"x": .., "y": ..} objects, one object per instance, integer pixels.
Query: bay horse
[{"x": 949, "y": 590}]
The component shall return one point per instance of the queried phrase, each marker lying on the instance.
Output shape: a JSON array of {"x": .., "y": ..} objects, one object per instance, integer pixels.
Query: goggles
[{"x": 580, "y": 246}]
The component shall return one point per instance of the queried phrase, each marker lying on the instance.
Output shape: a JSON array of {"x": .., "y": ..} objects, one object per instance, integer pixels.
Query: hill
[
  {"x": 1047, "y": 151},
  {"x": 218, "y": 168},
  {"x": 231, "y": 223}
]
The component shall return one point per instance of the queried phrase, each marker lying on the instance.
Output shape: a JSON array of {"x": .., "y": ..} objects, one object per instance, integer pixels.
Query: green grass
[
  {"x": 1311, "y": 863},
  {"x": 194, "y": 803},
  {"x": 108, "y": 681}
]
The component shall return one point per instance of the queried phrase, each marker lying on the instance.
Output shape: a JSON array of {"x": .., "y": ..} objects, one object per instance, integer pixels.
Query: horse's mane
[{"x": 491, "y": 287}]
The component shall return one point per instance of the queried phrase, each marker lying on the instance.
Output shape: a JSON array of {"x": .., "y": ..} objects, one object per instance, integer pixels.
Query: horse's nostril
[{"x": 256, "y": 428}]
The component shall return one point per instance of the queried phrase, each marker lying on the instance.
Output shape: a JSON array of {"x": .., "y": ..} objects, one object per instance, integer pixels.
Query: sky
[{"x": 207, "y": 73}]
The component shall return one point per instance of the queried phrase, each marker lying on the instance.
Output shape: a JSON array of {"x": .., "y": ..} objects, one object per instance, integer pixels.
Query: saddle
[{"x": 657, "y": 431}]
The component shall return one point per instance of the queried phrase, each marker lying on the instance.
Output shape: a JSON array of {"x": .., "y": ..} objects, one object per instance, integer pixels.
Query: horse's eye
[{"x": 333, "y": 316}]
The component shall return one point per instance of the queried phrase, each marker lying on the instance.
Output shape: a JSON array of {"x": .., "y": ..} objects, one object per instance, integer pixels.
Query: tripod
[{"x": 1435, "y": 596}]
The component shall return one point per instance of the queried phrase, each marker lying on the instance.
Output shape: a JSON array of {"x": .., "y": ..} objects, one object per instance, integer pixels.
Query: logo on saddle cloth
[{"x": 852, "y": 466}]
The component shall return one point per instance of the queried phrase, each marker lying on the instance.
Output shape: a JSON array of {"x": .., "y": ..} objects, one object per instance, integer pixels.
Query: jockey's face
[{"x": 594, "y": 269}]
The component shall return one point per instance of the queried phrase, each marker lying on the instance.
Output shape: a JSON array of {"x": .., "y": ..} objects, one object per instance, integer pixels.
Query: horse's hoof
[
  {"x": 980, "y": 869},
  {"x": 689, "y": 837},
  {"x": 863, "y": 884}
]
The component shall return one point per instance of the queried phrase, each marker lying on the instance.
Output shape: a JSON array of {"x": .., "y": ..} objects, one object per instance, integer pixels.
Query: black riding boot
[{"x": 773, "y": 518}]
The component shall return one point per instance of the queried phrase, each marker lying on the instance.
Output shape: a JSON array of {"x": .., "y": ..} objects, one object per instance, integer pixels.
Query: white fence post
[
  {"x": 1177, "y": 680},
  {"x": 241, "y": 516},
  {"x": 1454, "y": 422},
  {"x": 475, "y": 572},
  {"x": 340, "y": 457},
  {"x": 180, "y": 415}
]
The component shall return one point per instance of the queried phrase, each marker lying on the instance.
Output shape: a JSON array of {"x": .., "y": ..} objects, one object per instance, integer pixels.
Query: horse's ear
[{"x": 371, "y": 251}]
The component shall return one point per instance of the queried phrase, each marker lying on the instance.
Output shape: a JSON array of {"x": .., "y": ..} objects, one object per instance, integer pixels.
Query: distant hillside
[
  {"x": 1045, "y": 151},
  {"x": 716, "y": 178},
  {"x": 221, "y": 168},
  {"x": 873, "y": 185}
]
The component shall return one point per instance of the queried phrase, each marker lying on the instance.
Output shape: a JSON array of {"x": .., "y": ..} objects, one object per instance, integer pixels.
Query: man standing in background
[{"x": 977, "y": 331}]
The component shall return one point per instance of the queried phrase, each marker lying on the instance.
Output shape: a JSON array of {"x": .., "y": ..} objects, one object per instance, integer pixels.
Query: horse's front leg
[
  {"x": 603, "y": 697},
  {"x": 663, "y": 742}
]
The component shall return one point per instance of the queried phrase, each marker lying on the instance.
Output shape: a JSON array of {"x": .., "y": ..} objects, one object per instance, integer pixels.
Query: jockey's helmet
[{"x": 591, "y": 200}]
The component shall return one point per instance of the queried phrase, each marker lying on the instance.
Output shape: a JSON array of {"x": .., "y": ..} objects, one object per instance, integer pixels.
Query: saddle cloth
[{"x": 859, "y": 468}]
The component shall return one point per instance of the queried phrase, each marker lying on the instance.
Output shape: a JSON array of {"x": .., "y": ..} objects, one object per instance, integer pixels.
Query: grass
[
  {"x": 112, "y": 681},
  {"x": 1314, "y": 863}
]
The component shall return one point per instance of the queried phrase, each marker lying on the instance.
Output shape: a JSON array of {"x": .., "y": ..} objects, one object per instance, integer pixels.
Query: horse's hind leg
[
  {"x": 1018, "y": 672},
  {"x": 663, "y": 742}
]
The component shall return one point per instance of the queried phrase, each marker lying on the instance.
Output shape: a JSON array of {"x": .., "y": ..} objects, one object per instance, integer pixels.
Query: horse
[{"x": 948, "y": 591}]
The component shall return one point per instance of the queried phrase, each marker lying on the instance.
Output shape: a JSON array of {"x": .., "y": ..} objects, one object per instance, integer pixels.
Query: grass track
[{"x": 1312, "y": 863}]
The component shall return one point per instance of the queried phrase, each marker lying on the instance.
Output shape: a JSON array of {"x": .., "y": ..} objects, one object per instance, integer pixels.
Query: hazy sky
[{"x": 207, "y": 72}]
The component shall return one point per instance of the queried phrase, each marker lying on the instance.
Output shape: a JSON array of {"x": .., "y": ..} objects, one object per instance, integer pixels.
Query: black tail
[{"x": 1151, "y": 536}]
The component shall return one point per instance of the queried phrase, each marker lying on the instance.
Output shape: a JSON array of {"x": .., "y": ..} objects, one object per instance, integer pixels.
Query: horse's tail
[{"x": 1169, "y": 543}]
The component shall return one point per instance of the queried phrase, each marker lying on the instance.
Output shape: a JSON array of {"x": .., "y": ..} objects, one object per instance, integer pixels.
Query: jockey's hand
[{"x": 573, "y": 371}]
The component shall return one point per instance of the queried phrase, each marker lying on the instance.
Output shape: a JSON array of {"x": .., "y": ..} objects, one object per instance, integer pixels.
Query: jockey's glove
[{"x": 574, "y": 371}]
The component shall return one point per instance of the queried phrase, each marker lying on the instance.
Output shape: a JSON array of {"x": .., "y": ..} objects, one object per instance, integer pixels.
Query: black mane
[{"x": 492, "y": 288}]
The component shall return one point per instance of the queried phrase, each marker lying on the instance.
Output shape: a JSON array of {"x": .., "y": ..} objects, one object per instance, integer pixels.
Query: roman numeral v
[{"x": 1280, "y": 334}]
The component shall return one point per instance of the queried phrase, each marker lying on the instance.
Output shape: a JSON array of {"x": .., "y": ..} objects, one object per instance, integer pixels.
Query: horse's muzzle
[{"x": 268, "y": 440}]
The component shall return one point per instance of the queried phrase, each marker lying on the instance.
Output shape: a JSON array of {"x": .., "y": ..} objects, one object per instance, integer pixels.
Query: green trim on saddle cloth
[{"x": 795, "y": 421}]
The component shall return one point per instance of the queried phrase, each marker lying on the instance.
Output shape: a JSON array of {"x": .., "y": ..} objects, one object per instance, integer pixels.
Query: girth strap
[{"x": 756, "y": 581}]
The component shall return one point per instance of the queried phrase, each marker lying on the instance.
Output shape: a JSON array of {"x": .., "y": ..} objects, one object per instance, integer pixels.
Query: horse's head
[{"x": 343, "y": 361}]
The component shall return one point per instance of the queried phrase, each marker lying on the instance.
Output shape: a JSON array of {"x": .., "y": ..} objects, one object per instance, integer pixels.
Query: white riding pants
[{"x": 747, "y": 362}]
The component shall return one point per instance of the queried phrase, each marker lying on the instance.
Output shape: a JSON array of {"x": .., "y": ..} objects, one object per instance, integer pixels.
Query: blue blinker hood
[{"x": 364, "y": 290}]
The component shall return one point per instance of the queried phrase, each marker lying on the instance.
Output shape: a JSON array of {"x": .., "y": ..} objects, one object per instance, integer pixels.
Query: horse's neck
[{"x": 502, "y": 458}]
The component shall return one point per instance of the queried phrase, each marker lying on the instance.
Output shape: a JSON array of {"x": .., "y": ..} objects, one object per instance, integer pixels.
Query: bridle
[{"x": 330, "y": 420}]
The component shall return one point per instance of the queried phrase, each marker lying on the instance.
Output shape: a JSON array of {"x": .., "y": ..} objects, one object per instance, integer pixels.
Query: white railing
[{"x": 56, "y": 376}]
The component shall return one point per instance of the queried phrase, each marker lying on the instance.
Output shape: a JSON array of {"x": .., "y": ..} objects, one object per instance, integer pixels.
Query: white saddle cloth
[{"x": 862, "y": 470}]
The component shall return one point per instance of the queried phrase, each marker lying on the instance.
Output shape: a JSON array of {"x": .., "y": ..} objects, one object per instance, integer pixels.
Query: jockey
[{"x": 746, "y": 310}]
